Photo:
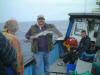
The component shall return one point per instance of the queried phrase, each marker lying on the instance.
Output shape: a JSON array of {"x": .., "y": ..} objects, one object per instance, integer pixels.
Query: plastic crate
[{"x": 70, "y": 67}]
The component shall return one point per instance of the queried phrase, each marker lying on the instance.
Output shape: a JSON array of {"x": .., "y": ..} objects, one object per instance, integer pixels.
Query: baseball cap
[{"x": 40, "y": 17}]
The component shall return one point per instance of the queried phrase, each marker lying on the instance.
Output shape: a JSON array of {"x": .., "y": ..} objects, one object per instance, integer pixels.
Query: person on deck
[
  {"x": 42, "y": 45},
  {"x": 10, "y": 28},
  {"x": 90, "y": 54},
  {"x": 8, "y": 56},
  {"x": 94, "y": 48},
  {"x": 84, "y": 46}
]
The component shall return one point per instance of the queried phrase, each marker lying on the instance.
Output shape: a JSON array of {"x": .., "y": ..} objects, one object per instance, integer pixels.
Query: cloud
[
  {"x": 27, "y": 10},
  {"x": 53, "y": 1}
]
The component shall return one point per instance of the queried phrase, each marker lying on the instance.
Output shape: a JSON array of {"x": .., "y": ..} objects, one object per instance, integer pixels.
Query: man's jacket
[
  {"x": 84, "y": 45},
  {"x": 34, "y": 30}
]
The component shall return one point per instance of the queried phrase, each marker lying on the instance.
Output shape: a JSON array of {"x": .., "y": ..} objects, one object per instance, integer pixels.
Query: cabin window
[
  {"x": 93, "y": 27},
  {"x": 79, "y": 27}
]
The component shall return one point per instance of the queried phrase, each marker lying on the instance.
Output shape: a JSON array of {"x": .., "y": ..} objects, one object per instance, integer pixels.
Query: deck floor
[
  {"x": 82, "y": 67},
  {"x": 56, "y": 68}
]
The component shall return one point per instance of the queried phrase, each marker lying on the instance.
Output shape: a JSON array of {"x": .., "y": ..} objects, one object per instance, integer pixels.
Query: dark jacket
[
  {"x": 84, "y": 44},
  {"x": 34, "y": 30},
  {"x": 8, "y": 56},
  {"x": 93, "y": 50}
]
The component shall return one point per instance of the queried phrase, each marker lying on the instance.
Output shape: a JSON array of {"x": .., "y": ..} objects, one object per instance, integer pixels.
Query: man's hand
[
  {"x": 75, "y": 51},
  {"x": 32, "y": 37}
]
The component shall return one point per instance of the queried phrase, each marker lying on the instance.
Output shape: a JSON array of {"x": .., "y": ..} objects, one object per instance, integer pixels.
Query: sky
[{"x": 28, "y": 10}]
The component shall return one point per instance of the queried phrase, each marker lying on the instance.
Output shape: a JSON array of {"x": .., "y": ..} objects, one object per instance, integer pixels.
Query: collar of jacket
[{"x": 45, "y": 25}]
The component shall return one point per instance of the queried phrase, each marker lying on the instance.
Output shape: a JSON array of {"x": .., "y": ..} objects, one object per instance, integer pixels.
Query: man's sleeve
[
  {"x": 53, "y": 28},
  {"x": 8, "y": 54},
  {"x": 97, "y": 48},
  {"x": 28, "y": 34}
]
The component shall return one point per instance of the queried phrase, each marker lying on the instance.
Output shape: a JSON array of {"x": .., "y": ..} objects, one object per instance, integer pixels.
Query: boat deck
[
  {"x": 56, "y": 68},
  {"x": 60, "y": 69}
]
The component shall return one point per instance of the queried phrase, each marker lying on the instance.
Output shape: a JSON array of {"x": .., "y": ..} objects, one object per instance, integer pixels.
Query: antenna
[{"x": 85, "y": 6}]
